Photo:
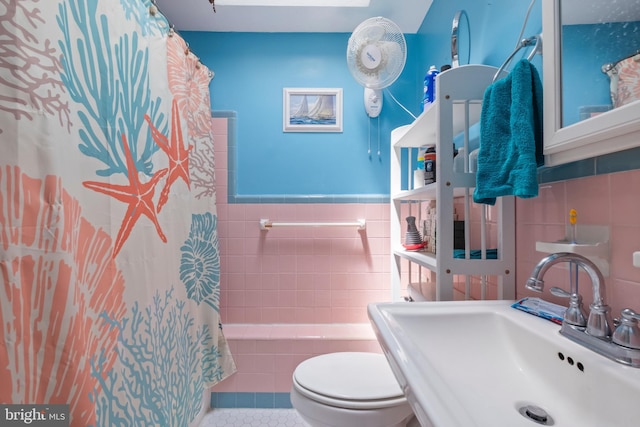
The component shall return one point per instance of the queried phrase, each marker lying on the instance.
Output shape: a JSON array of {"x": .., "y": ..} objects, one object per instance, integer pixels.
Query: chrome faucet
[
  {"x": 623, "y": 345},
  {"x": 599, "y": 322}
]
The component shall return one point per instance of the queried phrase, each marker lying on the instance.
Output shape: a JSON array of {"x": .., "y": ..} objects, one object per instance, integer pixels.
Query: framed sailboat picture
[{"x": 312, "y": 110}]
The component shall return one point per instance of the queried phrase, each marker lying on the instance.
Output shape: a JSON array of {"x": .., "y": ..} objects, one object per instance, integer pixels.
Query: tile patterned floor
[{"x": 233, "y": 417}]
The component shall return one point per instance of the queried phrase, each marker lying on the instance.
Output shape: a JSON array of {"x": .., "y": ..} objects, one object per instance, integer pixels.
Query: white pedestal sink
[{"x": 485, "y": 364}]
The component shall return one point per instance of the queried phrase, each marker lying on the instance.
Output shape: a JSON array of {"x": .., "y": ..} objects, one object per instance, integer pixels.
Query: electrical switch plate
[{"x": 636, "y": 259}]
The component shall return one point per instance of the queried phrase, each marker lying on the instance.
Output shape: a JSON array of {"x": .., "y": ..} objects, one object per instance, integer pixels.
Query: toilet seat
[{"x": 351, "y": 380}]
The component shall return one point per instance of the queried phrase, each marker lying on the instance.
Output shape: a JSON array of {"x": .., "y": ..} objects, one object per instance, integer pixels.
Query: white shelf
[
  {"x": 428, "y": 192},
  {"x": 588, "y": 250},
  {"x": 457, "y": 107},
  {"x": 461, "y": 265},
  {"x": 423, "y": 130},
  {"x": 471, "y": 80},
  {"x": 461, "y": 182},
  {"x": 422, "y": 258},
  {"x": 592, "y": 242}
]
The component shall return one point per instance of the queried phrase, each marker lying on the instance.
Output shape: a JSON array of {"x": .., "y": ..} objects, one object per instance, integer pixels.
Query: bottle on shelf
[
  {"x": 418, "y": 173},
  {"x": 429, "y": 88},
  {"x": 421, "y": 152},
  {"x": 430, "y": 165}
]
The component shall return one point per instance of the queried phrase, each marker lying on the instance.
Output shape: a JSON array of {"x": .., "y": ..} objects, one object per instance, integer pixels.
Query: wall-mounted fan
[{"x": 376, "y": 54}]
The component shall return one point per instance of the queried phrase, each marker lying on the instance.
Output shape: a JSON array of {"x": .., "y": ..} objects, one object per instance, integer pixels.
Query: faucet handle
[
  {"x": 627, "y": 334},
  {"x": 575, "y": 314},
  {"x": 559, "y": 292},
  {"x": 599, "y": 322}
]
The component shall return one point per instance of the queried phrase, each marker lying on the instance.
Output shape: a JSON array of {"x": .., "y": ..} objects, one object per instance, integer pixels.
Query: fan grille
[{"x": 376, "y": 53}]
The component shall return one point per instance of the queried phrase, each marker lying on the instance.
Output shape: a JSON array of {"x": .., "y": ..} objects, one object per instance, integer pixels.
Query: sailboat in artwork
[
  {"x": 323, "y": 109},
  {"x": 312, "y": 109},
  {"x": 303, "y": 109}
]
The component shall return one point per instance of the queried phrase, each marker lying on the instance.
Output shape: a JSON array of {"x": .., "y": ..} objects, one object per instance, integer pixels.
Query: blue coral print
[
  {"x": 165, "y": 362},
  {"x": 200, "y": 261},
  {"x": 109, "y": 77},
  {"x": 140, "y": 11}
]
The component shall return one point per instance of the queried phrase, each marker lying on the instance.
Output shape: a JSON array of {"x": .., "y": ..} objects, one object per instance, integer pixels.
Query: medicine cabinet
[{"x": 598, "y": 129}]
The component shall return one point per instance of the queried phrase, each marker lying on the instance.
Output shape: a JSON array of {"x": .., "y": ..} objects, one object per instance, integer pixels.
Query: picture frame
[{"x": 312, "y": 110}]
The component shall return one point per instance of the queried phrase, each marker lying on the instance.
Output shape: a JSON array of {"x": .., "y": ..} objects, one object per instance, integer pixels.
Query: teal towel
[
  {"x": 510, "y": 136},
  {"x": 475, "y": 253}
]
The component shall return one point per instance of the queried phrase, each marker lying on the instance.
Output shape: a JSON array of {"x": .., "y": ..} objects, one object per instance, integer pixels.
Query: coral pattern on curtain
[{"x": 109, "y": 262}]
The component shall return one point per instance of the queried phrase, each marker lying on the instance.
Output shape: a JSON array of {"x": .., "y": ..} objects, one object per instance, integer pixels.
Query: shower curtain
[{"x": 109, "y": 262}]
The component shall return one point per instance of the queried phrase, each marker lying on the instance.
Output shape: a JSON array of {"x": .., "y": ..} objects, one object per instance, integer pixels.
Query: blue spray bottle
[{"x": 429, "y": 87}]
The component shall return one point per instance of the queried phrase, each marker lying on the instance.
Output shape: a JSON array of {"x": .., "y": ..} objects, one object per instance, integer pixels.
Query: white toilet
[{"x": 349, "y": 389}]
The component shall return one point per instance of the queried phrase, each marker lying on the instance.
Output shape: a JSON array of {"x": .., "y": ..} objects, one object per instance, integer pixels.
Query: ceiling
[{"x": 197, "y": 15}]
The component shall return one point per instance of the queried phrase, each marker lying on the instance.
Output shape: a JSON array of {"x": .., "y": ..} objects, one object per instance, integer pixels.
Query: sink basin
[{"x": 485, "y": 364}]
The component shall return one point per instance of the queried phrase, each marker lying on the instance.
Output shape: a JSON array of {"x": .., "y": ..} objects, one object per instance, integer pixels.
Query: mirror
[
  {"x": 582, "y": 36},
  {"x": 594, "y": 35},
  {"x": 460, "y": 39}
]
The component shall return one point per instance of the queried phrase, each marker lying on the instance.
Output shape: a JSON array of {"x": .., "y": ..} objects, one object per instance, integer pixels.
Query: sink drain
[{"x": 536, "y": 414}]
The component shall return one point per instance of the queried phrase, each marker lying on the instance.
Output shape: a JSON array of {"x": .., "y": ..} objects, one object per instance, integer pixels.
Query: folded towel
[
  {"x": 475, "y": 253},
  {"x": 510, "y": 136}
]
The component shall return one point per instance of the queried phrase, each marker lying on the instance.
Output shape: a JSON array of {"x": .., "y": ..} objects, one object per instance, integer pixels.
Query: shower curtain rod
[
  {"x": 172, "y": 30},
  {"x": 267, "y": 224}
]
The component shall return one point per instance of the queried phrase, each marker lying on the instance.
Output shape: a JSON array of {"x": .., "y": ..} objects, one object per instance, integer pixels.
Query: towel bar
[
  {"x": 536, "y": 41},
  {"x": 267, "y": 224}
]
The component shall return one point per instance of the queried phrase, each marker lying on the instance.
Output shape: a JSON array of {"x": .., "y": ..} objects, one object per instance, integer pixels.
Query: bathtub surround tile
[
  {"x": 219, "y": 128},
  {"x": 267, "y": 355},
  {"x": 223, "y": 400},
  {"x": 232, "y": 315},
  {"x": 302, "y": 199},
  {"x": 573, "y": 170},
  {"x": 590, "y": 198},
  {"x": 234, "y": 264},
  {"x": 547, "y": 207},
  {"x": 626, "y": 160},
  {"x": 626, "y": 238},
  {"x": 264, "y": 400},
  {"x": 618, "y": 162},
  {"x": 624, "y": 209},
  {"x": 301, "y": 262},
  {"x": 623, "y": 293},
  {"x": 245, "y": 400}
]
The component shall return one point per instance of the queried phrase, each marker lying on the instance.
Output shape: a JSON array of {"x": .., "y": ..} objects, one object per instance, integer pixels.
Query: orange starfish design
[
  {"x": 178, "y": 155},
  {"x": 138, "y": 195}
]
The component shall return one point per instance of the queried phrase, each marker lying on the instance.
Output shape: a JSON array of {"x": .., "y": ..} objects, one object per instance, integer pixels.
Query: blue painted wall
[
  {"x": 494, "y": 28},
  {"x": 252, "y": 69}
]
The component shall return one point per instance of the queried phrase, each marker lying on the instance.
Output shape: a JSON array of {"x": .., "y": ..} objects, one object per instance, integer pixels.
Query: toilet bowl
[{"x": 349, "y": 389}]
